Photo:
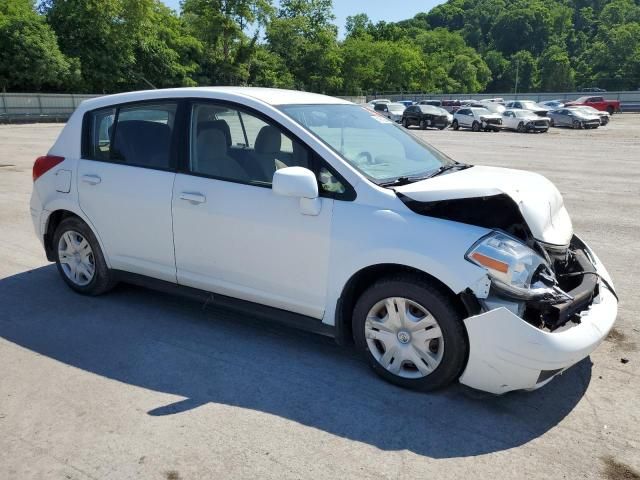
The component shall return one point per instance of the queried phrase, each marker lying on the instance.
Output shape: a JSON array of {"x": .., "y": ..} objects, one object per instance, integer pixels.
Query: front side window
[
  {"x": 373, "y": 145},
  {"x": 232, "y": 144}
]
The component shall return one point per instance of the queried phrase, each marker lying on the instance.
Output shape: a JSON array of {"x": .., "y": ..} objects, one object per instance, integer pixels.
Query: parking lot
[{"x": 136, "y": 384}]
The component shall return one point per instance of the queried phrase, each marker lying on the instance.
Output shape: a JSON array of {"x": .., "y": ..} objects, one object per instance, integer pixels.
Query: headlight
[
  {"x": 516, "y": 270},
  {"x": 506, "y": 259}
]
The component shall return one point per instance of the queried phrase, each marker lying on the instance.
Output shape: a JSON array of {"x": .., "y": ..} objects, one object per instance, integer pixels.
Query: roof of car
[{"x": 271, "y": 96}]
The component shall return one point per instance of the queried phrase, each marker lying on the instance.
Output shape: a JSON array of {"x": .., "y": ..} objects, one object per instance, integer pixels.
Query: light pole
[{"x": 515, "y": 90}]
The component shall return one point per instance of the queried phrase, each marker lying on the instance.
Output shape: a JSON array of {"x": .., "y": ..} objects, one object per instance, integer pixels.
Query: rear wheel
[
  {"x": 611, "y": 110},
  {"x": 79, "y": 258},
  {"x": 455, "y": 125},
  {"x": 410, "y": 333}
]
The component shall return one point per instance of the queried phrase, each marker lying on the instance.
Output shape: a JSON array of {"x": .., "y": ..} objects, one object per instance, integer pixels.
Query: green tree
[
  {"x": 30, "y": 58},
  {"x": 556, "y": 72},
  {"x": 304, "y": 37},
  {"x": 220, "y": 25},
  {"x": 125, "y": 44}
]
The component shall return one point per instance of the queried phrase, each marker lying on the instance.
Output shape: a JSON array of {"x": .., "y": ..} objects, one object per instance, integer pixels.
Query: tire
[
  {"x": 552, "y": 123},
  {"x": 444, "y": 346},
  {"x": 521, "y": 128},
  {"x": 405, "y": 123},
  {"x": 73, "y": 235},
  {"x": 475, "y": 127},
  {"x": 423, "y": 125},
  {"x": 442, "y": 128},
  {"x": 544, "y": 131},
  {"x": 611, "y": 110},
  {"x": 576, "y": 125},
  {"x": 455, "y": 125}
]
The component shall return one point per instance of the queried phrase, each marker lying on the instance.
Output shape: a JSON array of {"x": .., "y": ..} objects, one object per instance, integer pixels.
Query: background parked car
[
  {"x": 373, "y": 103},
  {"x": 477, "y": 119},
  {"x": 553, "y": 104},
  {"x": 574, "y": 118},
  {"x": 592, "y": 90},
  {"x": 524, "y": 121},
  {"x": 425, "y": 116},
  {"x": 599, "y": 103},
  {"x": 435, "y": 103},
  {"x": 605, "y": 117},
  {"x": 538, "y": 109},
  {"x": 406, "y": 103},
  {"x": 451, "y": 105},
  {"x": 393, "y": 111},
  {"x": 493, "y": 107}
]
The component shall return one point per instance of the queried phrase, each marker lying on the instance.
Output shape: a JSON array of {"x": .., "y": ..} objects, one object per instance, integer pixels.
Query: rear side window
[
  {"x": 101, "y": 126},
  {"x": 136, "y": 135}
]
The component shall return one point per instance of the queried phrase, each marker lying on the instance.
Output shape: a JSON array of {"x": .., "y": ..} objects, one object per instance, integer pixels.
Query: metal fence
[
  {"x": 34, "y": 107},
  {"x": 629, "y": 101}
]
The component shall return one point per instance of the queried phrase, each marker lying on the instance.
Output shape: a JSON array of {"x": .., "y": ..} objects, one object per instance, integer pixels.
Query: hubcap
[
  {"x": 404, "y": 337},
  {"x": 76, "y": 258}
]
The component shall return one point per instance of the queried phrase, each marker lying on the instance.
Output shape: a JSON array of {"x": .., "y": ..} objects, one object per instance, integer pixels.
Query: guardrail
[
  {"x": 39, "y": 106},
  {"x": 34, "y": 107}
]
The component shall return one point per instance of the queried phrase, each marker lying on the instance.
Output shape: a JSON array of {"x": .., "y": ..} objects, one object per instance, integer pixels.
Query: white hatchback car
[{"x": 320, "y": 213}]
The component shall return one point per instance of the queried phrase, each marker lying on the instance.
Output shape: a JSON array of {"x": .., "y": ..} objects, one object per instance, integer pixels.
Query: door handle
[
  {"x": 194, "y": 198},
  {"x": 91, "y": 179}
]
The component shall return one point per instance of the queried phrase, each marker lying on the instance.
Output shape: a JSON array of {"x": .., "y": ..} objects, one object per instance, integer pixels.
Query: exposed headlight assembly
[{"x": 516, "y": 271}]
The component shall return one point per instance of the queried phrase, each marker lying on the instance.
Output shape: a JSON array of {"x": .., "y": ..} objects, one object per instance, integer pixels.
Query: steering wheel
[{"x": 366, "y": 155}]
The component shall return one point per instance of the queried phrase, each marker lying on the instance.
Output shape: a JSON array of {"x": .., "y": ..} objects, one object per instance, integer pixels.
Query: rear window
[{"x": 136, "y": 135}]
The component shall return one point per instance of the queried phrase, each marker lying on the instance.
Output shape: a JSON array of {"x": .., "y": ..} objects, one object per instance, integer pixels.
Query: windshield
[{"x": 372, "y": 144}]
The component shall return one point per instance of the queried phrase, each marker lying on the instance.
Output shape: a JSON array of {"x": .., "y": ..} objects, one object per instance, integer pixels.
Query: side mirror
[{"x": 300, "y": 183}]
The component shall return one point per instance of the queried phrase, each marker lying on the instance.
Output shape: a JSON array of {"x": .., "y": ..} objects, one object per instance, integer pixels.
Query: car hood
[
  {"x": 537, "y": 199},
  {"x": 490, "y": 115}
]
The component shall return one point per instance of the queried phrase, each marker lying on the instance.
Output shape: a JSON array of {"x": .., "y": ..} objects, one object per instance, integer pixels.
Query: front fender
[{"x": 364, "y": 236}]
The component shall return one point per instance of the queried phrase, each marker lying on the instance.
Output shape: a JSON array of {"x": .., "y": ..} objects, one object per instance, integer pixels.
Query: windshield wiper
[
  {"x": 407, "y": 179},
  {"x": 446, "y": 168}
]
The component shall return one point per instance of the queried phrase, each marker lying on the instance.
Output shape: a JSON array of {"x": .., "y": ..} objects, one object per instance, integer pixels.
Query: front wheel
[
  {"x": 475, "y": 127},
  {"x": 405, "y": 123},
  {"x": 79, "y": 258},
  {"x": 576, "y": 125},
  {"x": 521, "y": 127},
  {"x": 423, "y": 125},
  {"x": 410, "y": 332},
  {"x": 455, "y": 125}
]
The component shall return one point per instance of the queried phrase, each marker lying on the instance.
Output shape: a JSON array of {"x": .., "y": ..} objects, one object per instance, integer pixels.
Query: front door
[{"x": 233, "y": 235}]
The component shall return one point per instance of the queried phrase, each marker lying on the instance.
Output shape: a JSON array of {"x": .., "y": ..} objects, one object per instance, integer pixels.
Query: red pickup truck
[{"x": 599, "y": 103}]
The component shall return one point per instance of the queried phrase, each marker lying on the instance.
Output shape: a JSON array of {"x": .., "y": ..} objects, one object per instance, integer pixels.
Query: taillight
[{"x": 44, "y": 164}]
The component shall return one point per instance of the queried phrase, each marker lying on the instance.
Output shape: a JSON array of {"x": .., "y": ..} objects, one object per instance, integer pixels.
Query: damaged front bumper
[{"x": 507, "y": 353}]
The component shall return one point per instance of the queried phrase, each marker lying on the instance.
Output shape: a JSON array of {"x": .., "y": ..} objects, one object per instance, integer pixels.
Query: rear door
[{"x": 125, "y": 182}]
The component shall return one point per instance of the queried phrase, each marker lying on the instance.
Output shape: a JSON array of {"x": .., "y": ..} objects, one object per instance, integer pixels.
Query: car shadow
[{"x": 173, "y": 345}]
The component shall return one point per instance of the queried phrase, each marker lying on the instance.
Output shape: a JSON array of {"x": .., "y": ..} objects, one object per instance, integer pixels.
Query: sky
[{"x": 387, "y": 10}]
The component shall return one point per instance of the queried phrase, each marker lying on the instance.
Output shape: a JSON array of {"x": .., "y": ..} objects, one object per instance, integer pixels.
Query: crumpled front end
[{"x": 523, "y": 343}]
